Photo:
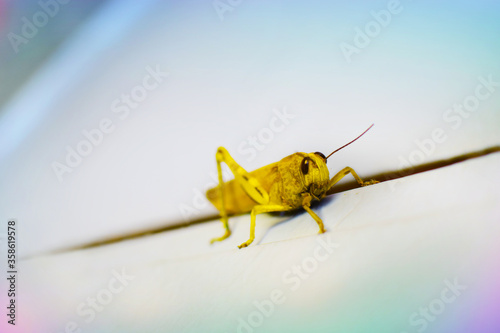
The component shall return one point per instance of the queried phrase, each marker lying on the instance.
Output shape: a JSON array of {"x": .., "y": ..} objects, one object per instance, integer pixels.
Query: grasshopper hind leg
[
  {"x": 227, "y": 232},
  {"x": 224, "y": 219},
  {"x": 252, "y": 188}
]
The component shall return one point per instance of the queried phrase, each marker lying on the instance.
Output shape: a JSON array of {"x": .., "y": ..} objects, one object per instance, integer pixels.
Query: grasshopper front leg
[
  {"x": 345, "y": 171},
  {"x": 306, "y": 204},
  {"x": 307, "y": 198},
  {"x": 250, "y": 185}
]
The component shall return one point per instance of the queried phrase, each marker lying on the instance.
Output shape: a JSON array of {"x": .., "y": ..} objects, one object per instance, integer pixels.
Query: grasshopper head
[
  {"x": 306, "y": 173},
  {"x": 315, "y": 174}
]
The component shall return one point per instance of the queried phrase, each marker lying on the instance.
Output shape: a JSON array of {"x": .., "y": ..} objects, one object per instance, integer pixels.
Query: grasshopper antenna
[{"x": 350, "y": 142}]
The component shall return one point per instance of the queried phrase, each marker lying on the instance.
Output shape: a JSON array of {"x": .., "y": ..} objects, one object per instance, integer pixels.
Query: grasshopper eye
[
  {"x": 321, "y": 155},
  {"x": 304, "y": 166}
]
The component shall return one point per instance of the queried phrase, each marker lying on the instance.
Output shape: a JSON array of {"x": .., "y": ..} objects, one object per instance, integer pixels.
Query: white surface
[
  {"x": 397, "y": 242},
  {"x": 225, "y": 79}
]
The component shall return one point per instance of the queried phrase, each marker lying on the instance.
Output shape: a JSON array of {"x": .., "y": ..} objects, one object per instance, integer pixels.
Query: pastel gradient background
[{"x": 229, "y": 65}]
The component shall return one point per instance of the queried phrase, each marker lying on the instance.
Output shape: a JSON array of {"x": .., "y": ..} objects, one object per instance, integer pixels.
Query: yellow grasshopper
[{"x": 286, "y": 185}]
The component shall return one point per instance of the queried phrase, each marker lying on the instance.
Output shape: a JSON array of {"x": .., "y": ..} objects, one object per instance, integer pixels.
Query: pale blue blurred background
[{"x": 20, "y": 57}]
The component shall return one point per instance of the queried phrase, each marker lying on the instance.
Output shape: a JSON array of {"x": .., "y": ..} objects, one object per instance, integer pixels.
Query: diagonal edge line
[
  {"x": 391, "y": 175},
  {"x": 381, "y": 177}
]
